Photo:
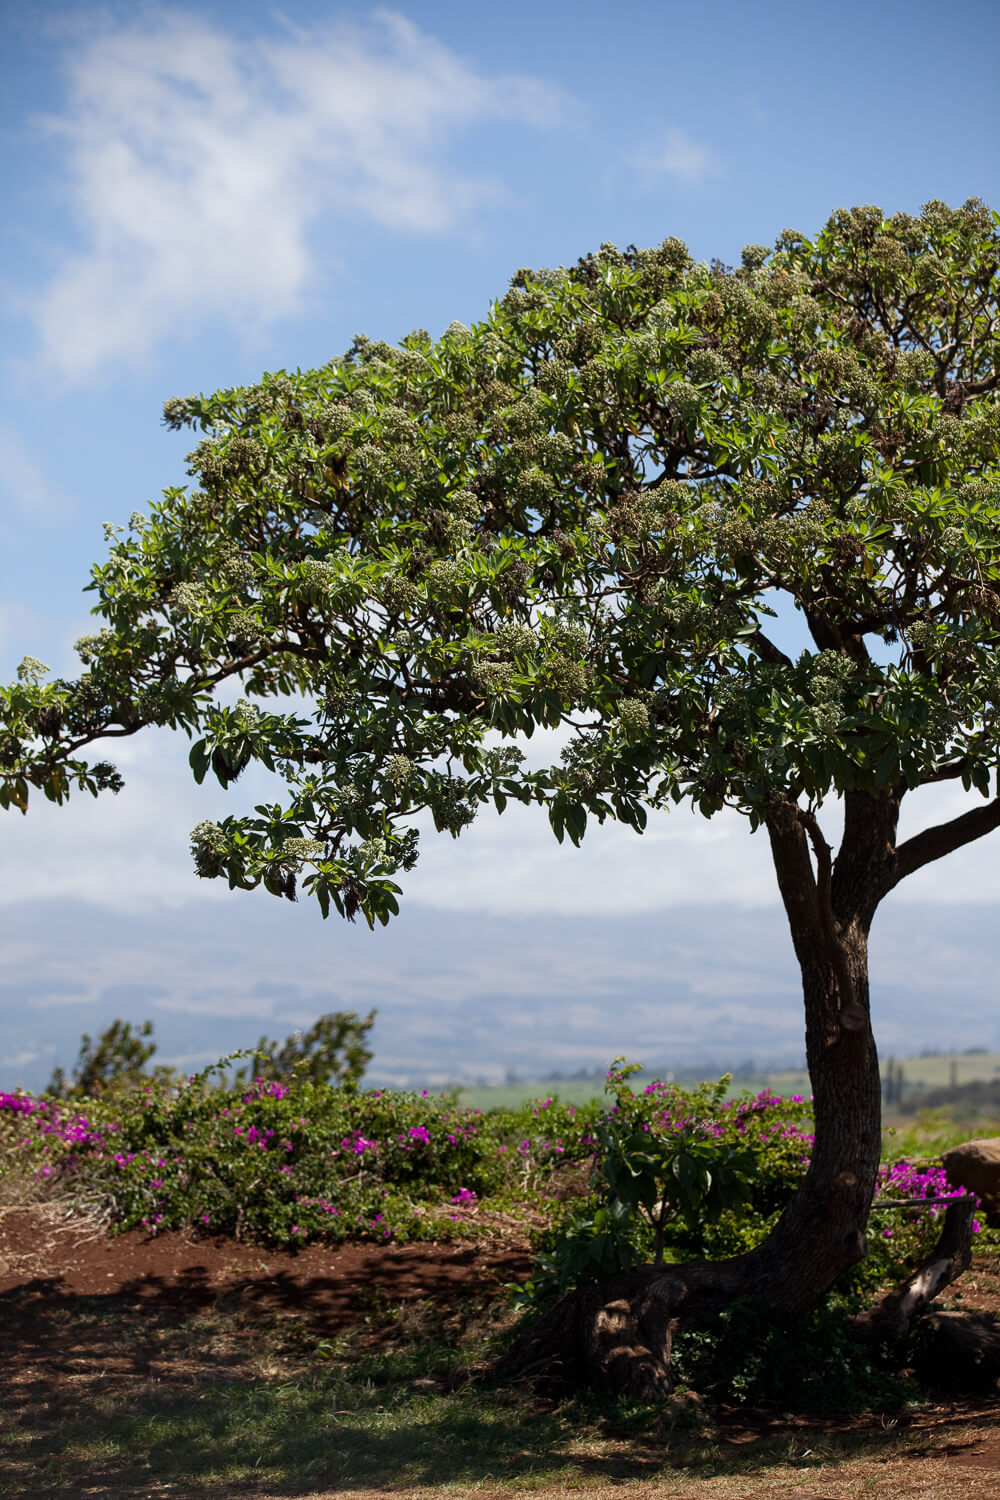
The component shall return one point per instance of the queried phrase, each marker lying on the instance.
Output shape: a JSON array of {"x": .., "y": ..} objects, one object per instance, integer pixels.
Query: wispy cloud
[
  {"x": 199, "y": 163},
  {"x": 25, "y": 487},
  {"x": 675, "y": 154}
]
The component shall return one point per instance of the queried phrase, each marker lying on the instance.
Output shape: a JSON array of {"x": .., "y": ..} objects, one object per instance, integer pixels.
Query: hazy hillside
[{"x": 473, "y": 997}]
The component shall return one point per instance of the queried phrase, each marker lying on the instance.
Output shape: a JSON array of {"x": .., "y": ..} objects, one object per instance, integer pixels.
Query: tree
[
  {"x": 332, "y": 1051},
  {"x": 115, "y": 1059},
  {"x": 585, "y": 512}
]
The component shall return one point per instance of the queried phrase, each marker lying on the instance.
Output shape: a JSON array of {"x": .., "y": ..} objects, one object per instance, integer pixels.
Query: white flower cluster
[
  {"x": 633, "y": 717},
  {"x": 399, "y": 770},
  {"x": 31, "y": 670}
]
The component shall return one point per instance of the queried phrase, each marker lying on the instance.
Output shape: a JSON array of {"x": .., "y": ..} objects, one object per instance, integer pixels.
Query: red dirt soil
[{"x": 43, "y": 1258}]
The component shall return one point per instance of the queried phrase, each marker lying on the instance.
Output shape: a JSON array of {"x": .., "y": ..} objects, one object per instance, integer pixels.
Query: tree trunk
[
  {"x": 822, "y": 1231},
  {"x": 620, "y": 1333}
]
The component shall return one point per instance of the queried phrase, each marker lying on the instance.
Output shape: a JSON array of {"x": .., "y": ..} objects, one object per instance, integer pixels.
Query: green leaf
[{"x": 199, "y": 760}]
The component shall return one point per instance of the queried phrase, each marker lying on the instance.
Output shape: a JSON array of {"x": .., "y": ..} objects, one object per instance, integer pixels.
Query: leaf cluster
[
  {"x": 677, "y": 1174},
  {"x": 333, "y": 1051},
  {"x": 115, "y": 1059}
]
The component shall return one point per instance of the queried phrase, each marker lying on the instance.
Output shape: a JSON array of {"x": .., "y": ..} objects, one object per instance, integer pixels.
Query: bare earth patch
[
  {"x": 184, "y": 1367},
  {"x": 47, "y": 1256}
]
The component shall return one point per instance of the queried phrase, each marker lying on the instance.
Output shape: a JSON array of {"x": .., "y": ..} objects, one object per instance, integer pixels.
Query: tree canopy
[{"x": 585, "y": 510}]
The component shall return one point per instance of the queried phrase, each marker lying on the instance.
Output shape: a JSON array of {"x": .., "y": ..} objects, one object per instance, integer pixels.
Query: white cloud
[
  {"x": 199, "y": 163},
  {"x": 674, "y": 154},
  {"x": 512, "y": 865},
  {"x": 130, "y": 853},
  {"x": 969, "y": 875}
]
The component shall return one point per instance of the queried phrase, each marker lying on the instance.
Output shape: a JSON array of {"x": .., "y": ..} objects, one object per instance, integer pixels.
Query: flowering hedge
[
  {"x": 900, "y": 1238},
  {"x": 285, "y": 1162},
  {"x": 773, "y": 1138}
]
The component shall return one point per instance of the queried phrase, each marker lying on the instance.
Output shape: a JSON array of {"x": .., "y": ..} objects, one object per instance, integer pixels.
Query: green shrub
[
  {"x": 285, "y": 1161},
  {"x": 334, "y": 1050},
  {"x": 899, "y": 1239},
  {"x": 803, "y": 1364},
  {"x": 678, "y": 1174},
  {"x": 660, "y": 1171},
  {"x": 114, "y": 1059}
]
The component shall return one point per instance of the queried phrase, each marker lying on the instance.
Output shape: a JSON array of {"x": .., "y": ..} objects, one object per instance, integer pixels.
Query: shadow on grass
[
  {"x": 289, "y": 1439},
  {"x": 117, "y": 1396}
]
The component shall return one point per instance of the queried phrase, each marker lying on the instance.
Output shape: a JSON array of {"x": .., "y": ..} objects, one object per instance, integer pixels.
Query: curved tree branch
[
  {"x": 934, "y": 843},
  {"x": 951, "y": 771}
]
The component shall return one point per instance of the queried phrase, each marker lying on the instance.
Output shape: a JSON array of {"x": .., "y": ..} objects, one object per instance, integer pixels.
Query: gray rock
[
  {"x": 976, "y": 1165},
  {"x": 959, "y": 1351}
]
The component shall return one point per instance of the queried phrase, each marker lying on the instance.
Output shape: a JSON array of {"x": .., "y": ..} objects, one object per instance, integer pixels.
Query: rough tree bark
[{"x": 619, "y": 1334}]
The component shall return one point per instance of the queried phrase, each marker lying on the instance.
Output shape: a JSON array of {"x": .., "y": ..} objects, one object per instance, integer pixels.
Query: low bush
[
  {"x": 281, "y": 1162},
  {"x": 656, "y": 1173},
  {"x": 686, "y": 1174},
  {"x": 678, "y": 1174},
  {"x": 805, "y": 1364}
]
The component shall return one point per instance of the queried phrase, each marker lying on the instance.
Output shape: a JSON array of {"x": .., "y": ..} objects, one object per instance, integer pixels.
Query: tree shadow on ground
[{"x": 216, "y": 1391}]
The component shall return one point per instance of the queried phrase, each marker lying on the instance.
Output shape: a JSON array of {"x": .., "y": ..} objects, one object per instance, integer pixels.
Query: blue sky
[{"x": 194, "y": 194}]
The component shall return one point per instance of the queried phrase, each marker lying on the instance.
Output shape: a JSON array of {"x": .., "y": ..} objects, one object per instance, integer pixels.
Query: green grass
[
  {"x": 583, "y": 1090},
  {"x": 928, "y": 1134},
  {"x": 234, "y": 1399},
  {"x": 944, "y": 1070},
  {"x": 513, "y": 1095},
  {"x": 272, "y": 1406}
]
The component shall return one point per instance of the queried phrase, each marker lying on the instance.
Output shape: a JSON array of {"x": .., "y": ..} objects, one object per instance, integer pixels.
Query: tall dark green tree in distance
[{"x": 585, "y": 512}]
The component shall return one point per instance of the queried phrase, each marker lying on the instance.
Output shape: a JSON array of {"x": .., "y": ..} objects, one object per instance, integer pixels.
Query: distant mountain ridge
[{"x": 462, "y": 996}]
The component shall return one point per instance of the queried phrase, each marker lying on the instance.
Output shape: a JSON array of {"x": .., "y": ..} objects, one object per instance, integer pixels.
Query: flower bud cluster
[{"x": 210, "y": 849}]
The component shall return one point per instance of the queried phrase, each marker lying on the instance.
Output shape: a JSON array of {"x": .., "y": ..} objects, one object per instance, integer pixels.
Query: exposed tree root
[
  {"x": 619, "y": 1335},
  {"x": 890, "y": 1322}
]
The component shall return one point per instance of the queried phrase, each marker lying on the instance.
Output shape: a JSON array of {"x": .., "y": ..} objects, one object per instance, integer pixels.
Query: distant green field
[
  {"x": 937, "y": 1071},
  {"x": 581, "y": 1090},
  {"x": 947, "y": 1070},
  {"x": 510, "y": 1095}
]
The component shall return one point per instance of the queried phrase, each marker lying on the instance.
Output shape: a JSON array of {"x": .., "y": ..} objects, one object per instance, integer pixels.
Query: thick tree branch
[
  {"x": 851, "y": 1014},
  {"x": 796, "y": 881},
  {"x": 866, "y": 860},
  {"x": 950, "y": 772},
  {"x": 944, "y": 838},
  {"x": 769, "y": 652}
]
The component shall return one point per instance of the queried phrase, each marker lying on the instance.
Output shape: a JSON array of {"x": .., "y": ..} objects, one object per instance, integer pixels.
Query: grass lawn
[{"x": 206, "y": 1378}]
